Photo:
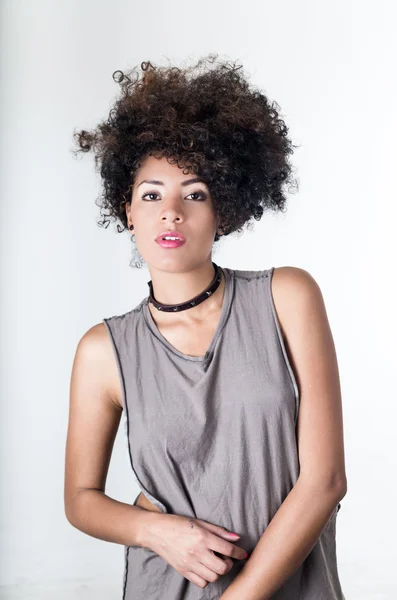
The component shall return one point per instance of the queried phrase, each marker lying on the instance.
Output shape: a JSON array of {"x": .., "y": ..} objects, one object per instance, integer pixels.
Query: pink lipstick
[{"x": 170, "y": 239}]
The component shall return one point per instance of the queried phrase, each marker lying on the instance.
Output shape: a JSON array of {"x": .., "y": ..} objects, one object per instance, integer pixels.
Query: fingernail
[
  {"x": 234, "y": 534},
  {"x": 246, "y": 555}
]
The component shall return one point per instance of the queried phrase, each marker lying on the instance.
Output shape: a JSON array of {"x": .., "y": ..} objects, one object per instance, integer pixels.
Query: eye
[
  {"x": 202, "y": 195},
  {"x": 149, "y": 194}
]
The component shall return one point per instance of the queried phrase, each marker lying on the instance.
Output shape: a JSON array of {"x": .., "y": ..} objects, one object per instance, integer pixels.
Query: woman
[{"x": 227, "y": 379}]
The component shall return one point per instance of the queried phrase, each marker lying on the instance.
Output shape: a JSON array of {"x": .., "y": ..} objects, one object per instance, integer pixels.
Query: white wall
[{"x": 331, "y": 67}]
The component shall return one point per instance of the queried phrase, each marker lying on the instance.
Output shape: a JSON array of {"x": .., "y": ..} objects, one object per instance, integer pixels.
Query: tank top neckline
[{"x": 226, "y": 305}]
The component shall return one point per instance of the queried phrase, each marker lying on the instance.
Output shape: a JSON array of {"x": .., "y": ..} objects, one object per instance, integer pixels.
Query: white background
[{"x": 331, "y": 67}]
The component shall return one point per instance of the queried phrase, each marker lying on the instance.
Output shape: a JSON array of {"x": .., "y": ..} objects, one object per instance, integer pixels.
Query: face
[{"x": 174, "y": 202}]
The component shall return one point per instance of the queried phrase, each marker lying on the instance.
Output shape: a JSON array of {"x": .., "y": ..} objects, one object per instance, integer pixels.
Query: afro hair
[{"x": 208, "y": 120}]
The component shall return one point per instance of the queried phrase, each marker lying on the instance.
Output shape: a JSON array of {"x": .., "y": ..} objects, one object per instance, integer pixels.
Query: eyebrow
[{"x": 184, "y": 183}]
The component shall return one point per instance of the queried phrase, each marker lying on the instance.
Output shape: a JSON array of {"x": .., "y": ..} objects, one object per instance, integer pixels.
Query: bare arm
[
  {"x": 322, "y": 483},
  {"x": 94, "y": 417}
]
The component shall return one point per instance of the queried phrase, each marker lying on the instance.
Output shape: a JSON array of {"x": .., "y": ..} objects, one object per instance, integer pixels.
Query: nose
[{"x": 173, "y": 211}]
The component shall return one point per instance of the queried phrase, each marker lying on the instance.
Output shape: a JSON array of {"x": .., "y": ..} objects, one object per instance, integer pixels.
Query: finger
[
  {"x": 227, "y": 548},
  {"x": 206, "y": 572},
  {"x": 229, "y": 561},
  {"x": 218, "y": 530},
  {"x": 218, "y": 565},
  {"x": 196, "y": 579}
]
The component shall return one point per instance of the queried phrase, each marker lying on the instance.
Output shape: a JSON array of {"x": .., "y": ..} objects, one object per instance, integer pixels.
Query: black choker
[{"x": 194, "y": 301}]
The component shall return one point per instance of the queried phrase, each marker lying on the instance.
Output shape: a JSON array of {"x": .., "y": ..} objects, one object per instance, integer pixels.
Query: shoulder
[
  {"x": 94, "y": 343},
  {"x": 289, "y": 285},
  {"x": 287, "y": 280},
  {"x": 297, "y": 296},
  {"x": 95, "y": 359}
]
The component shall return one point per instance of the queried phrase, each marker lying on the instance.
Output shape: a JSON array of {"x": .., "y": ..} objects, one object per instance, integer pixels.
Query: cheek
[{"x": 203, "y": 219}]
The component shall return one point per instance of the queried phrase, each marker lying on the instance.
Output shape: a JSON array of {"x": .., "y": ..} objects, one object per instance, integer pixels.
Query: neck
[{"x": 174, "y": 288}]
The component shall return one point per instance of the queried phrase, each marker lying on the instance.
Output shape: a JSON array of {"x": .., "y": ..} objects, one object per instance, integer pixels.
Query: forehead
[{"x": 160, "y": 168}]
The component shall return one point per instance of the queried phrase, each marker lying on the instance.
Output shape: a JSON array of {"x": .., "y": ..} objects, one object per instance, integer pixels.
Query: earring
[{"x": 131, "y": 227}]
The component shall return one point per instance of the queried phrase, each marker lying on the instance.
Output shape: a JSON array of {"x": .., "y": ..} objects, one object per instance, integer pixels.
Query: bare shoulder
[
  {"x": 294, "y": 279},
  {"x": 295, "y": 292},
  {"x": 96, "y": 355}
]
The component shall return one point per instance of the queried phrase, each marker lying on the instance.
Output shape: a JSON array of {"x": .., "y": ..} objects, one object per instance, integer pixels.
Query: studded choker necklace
[{"x": 189, "y": 303}]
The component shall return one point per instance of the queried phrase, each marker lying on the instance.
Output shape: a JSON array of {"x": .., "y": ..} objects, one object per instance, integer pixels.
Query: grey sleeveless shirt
[{"x": 214, "y": 437}]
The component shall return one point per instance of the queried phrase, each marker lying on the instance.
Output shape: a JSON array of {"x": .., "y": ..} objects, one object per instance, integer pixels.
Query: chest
[
  {"x": 188, "y": 408},
  {"x": 192, "y": 339}
]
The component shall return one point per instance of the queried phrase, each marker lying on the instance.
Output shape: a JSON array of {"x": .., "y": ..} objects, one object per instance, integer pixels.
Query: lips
[{"x": 170, "y": 234}]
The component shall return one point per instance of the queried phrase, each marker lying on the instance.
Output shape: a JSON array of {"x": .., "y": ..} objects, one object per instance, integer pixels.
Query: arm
[
  {"x": 301, "y": 518},
  {"x": 94, "y": 416}
]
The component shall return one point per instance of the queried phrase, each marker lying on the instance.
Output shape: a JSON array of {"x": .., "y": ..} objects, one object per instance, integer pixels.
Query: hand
[{"x": 191, "y": 546}]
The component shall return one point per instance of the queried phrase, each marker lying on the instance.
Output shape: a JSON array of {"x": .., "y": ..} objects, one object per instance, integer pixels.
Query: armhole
[
  {"x": 121, "y": 378},
  {"x": 282, "y": 344}
]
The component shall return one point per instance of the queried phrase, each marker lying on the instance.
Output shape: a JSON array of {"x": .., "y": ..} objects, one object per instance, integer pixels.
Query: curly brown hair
[{"x": 206, "y": 119}]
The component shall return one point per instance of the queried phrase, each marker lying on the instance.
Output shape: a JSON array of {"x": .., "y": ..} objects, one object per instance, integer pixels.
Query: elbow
[
  {"x": 338, "y": 483},
  {"x": 338, "y": 487},
  {"x": 71, "y": 502},
  {"x": 335, "y": 486},
  {"x": 78, "y": 505},
  {"x": 343, "y": 488},
  {"x": 70, "y": 514}
]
